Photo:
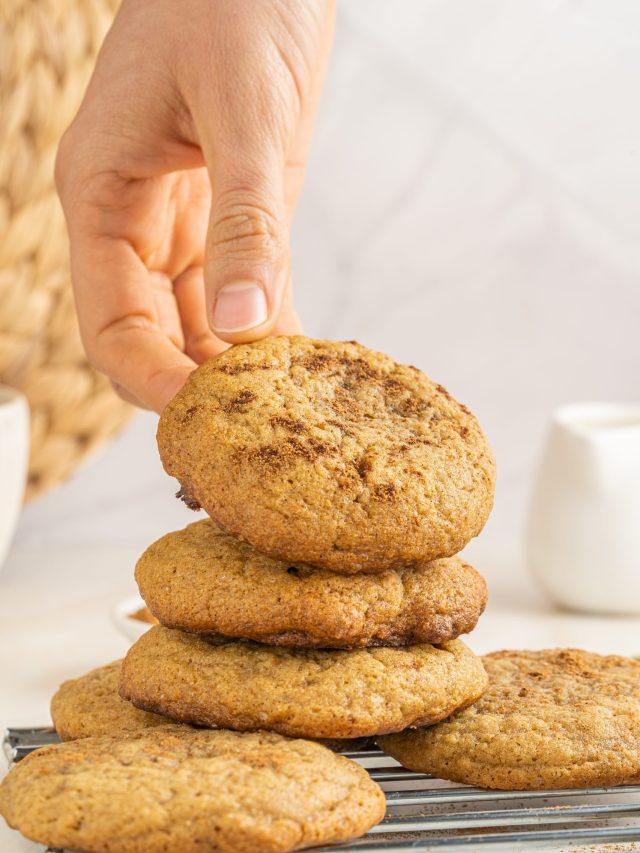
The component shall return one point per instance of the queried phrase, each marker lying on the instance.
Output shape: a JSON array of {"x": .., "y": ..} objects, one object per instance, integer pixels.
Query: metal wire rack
[{"x": 427, "y": 814}]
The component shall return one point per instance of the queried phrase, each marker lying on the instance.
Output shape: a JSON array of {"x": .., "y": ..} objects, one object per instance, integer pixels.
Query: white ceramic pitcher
[{"x": 583, "y": 531}]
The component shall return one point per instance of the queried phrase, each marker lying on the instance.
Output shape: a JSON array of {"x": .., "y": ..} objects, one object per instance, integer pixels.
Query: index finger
[{"x": 118, "y": 319}]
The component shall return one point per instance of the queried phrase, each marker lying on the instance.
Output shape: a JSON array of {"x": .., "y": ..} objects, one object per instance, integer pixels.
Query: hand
[{"x": 179, "y": 177}]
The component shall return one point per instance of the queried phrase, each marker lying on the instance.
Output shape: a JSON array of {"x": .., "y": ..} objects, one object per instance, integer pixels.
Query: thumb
[{"x": 247, "y": 258}]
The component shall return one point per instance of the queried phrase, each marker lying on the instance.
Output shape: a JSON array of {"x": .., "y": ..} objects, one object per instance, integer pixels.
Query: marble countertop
[{"x": 56, "y": 605}]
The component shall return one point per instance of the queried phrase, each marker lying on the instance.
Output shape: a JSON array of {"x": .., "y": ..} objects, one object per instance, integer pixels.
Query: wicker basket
[{"x": 47, "y": 51}]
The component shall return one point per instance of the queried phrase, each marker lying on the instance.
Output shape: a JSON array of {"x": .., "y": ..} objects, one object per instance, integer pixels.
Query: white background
[{"x": 472, "y": 207}]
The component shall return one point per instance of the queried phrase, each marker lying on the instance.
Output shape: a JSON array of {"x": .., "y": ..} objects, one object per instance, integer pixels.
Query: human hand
[{"x": 179, "y": 177}]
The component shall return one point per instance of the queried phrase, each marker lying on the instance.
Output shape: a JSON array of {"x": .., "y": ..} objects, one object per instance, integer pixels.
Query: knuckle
[
  {"x": 246, "y": 230},
  {"x": 102, "y": 344}
]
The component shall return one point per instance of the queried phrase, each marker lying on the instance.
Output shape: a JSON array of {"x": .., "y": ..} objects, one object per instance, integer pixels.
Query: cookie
[
  {"x": 90, "y": 705},
  {"x": 181, "y": 789},
  {"x": 329, "y": 454},
  {"x": 298, "y": 692},
  {"x": 550, "y": 719},
  {"x": 203, "y": 580}
]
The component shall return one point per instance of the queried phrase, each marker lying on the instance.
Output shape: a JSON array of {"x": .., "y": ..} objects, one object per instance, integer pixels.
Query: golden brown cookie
[
  {"x": 203, "y": 580},
  {"x": 298, "y": 692},
  {"x": 90, "y": 705},
  {"x": 329, "y": 454},
  {"x": 561, "y": 718},
  {"x": 181, "y": 789}
]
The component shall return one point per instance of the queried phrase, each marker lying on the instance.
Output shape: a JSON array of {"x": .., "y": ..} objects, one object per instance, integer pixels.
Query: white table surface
[{"x": 55, "y": 613}]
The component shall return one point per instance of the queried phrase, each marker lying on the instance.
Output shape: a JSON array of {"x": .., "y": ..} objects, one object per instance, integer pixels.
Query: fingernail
[{"x": 239, "y": 306}]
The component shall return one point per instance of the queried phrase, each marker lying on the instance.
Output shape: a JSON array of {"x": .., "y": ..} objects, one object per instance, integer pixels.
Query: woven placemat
[{"x": 47, "y": 52}]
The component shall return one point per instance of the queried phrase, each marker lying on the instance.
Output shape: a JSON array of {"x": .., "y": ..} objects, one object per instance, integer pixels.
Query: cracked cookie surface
[
  {"x": 203, "y": 580},
  {"x": 560, "y": 718},
  {"x": 298, "y": 692},
  {"x": 329, "y": 454},
  {"x": 180, "y": 789}
]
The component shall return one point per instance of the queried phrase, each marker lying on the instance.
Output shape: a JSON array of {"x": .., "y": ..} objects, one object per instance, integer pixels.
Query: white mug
[
  {"x": 14, "y": 456},
  {"x": 583, "y": 531}
]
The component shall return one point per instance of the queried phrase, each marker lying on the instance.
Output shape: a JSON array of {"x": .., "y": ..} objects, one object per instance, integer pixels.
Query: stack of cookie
[{"x": 321, "y": 598}]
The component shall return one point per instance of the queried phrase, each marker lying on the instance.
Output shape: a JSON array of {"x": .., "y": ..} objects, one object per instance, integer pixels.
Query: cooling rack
[{"x": 427, "y": 814}]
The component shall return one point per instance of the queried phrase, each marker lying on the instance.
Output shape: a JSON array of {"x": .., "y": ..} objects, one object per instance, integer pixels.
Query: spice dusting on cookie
[{"x": 299, "y": 418}]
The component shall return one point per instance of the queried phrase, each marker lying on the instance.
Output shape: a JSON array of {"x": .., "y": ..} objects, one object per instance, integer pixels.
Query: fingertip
[
  {"x": 240, "y": 308},
  {"x": 165, "y": 385},
  {"x": 127, "y": 396},
  {"x": 257, "y": 333}
]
